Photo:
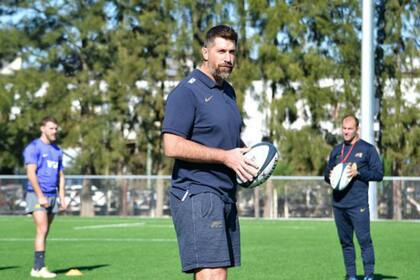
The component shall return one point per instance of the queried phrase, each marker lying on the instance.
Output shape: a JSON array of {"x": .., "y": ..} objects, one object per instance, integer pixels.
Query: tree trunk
[
  {"x": 275, "y": 202},
  {"x": 160, "y": 195},
  {"x": 268, "y": 201},
  {"x": 396, "y": 200},
  {"x": 396, "y": 192},
  {"x": 86, "y": 203},
  {"x": 286, "y": 204},
  {"x": 124, "y": 197},
  {"x": 256, "y": 202}
]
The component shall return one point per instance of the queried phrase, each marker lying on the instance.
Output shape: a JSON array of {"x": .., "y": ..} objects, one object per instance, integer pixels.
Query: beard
[
  {"x": 51, "y": 138},
  {"x": 222, "y": 71}
]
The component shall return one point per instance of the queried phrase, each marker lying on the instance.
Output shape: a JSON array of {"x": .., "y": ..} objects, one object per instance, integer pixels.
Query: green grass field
[{"x": 140, "y": 248}]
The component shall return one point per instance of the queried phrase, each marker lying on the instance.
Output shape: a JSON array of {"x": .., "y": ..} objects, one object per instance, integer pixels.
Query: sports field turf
[{"x": 141, "y": 248}]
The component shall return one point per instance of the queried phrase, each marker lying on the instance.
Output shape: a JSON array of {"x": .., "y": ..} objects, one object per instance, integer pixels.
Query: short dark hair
[
  {"x": 223, "y": 31},
  {"x": 352, "y": 117},
  {"x": 48, "y": 119}
]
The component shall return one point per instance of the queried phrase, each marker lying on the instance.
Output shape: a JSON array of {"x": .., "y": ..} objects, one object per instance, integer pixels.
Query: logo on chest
[
  {"x": 52, "y": 164},
  {"x": 358, "y": 155},
  {"x": 207, "y": 99}
]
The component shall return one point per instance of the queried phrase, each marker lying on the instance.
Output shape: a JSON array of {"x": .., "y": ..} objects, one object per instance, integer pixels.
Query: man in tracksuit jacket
[{"x": 350, "y": 205}]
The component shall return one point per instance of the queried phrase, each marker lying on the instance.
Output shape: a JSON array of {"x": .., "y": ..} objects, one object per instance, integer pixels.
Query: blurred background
[{"x": 104, "y": 69}]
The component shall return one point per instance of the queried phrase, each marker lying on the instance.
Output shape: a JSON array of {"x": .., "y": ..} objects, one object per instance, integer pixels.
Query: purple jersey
[{"x": 49, "y": 161}]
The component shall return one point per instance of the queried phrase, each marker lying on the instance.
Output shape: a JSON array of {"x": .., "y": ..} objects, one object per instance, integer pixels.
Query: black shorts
[{"x": 207, "y": 230}]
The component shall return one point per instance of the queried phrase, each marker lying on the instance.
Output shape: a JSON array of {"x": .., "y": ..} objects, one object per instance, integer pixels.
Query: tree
[
  {"x": 395, "y": 73},
  {"x": 397, "y": 49},
  {"x": 309, "y": 42},
  {"x": 101, "y": 66}
]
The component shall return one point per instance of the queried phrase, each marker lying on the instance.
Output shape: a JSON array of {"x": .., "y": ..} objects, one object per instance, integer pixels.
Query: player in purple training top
[{"x": 44, "y": 168}]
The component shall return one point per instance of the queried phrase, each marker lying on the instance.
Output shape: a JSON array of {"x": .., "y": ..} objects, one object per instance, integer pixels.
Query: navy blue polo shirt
[
  {"x": 201, "y": 111},
  {"x": 369, "y": 167}
]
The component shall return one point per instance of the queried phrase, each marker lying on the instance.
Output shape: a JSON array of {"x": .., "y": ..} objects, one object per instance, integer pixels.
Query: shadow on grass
[
  {"x": 8, "y": 267},
  {"x": 81, "y": 268},
  {"x": 379, "y": 277}
]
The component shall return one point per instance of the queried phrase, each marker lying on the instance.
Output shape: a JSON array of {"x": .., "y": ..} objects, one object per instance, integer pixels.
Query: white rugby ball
[
  {"x": 265, "y": 156},
  {"x": 340, "y": 177}
]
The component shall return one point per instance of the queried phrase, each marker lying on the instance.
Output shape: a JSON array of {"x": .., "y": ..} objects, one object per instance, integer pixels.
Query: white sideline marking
[
  {"x": 160, "y": 226},
  {"x": 110, "y": 226},
  {"x": 93, "y": 239},
  {"x": 298, "y": 227},
  {"x": 119, "y": 226}
]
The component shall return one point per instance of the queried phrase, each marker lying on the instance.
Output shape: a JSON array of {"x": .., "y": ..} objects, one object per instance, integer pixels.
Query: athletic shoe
[
  {"x": 42, "y": 273},
  {"x": 351, "y": 278},
  {"x": 370, "y": 277}
]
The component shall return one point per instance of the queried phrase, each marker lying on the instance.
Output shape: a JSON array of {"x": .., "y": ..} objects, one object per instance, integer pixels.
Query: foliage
[{"x": 104, "y": 68}]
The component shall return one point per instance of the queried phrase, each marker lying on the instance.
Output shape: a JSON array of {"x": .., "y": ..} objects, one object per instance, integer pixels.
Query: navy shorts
[{"x": 207, "y": 230}]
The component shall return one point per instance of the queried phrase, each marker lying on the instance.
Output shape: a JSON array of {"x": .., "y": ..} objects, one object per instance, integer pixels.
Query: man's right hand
[
  {"x": 43, "y": 201},
  {"x": 246, "y": 169}
]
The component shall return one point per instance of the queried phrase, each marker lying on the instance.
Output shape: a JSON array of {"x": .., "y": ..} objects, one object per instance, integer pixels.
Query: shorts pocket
[
  {"x": 174, "y": 204},
  {"x": 205, "y": 204}
]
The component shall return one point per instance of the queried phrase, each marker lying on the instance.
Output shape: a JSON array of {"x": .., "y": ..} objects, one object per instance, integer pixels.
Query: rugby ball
[
  {"x": 265, "y": 156},
  {"x": 340, "y": 176}
]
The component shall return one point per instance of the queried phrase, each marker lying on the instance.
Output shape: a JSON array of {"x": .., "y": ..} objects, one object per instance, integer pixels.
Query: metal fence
[{"x": 281, "y": 197}]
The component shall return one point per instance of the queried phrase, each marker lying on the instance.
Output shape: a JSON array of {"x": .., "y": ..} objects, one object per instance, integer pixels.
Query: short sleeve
[
  {"x": 30, "y": 154},
  {"x": 60, "y": 162},
  {"x": 179, "y": 112}
]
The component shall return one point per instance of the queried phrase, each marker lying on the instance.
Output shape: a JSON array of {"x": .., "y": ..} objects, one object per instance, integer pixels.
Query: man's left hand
[
  {"x": 352, "y": 170},
  {"x": 63, "y": 205}
]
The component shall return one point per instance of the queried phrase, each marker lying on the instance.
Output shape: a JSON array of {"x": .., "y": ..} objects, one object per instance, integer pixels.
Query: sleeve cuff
[{"x": 173, "y": 131}]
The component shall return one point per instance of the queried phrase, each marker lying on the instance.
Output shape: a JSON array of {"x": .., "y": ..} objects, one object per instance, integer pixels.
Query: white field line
[
  {"x": 93, "y": 239},
  {"x": 298, "y": 227},
  {"x": 124, "y": 225},
  {"x": 110, "y": 226},
  {"x": 107, "y": 219}
]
